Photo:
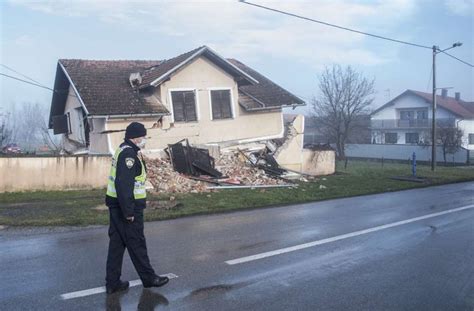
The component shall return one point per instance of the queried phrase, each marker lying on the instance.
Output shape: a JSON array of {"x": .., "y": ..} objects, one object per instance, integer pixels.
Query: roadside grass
[{"x": 78, "y": 208}]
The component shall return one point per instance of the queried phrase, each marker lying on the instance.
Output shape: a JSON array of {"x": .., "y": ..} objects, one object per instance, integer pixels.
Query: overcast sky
[{"x": 291, "y": 52}]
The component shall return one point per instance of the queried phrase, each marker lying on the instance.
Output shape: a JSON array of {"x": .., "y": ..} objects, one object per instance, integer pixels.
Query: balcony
[{"x": 410, "y": 123}]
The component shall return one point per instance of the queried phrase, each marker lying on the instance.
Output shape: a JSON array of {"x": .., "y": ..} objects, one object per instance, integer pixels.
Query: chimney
[
  {"x": 135, "y": 79},
  {"x": 457, "y": 95},
  {"x": 444, "y": 93}
]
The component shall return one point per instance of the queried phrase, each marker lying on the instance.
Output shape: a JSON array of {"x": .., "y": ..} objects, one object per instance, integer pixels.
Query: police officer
[{"x": 126, "y": 199}]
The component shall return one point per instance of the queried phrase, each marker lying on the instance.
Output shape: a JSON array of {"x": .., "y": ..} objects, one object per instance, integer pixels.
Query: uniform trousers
[{"x": 127, "y": 235}]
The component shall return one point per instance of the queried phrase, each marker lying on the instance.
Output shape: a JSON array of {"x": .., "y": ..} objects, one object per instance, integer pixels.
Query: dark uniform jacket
[{"x": 125, "y": 181}]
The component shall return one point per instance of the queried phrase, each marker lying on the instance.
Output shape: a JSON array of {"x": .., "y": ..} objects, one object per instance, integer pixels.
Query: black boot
[
  {"x": 121, "y": 286},
  {"x": 156, "y": 282}
]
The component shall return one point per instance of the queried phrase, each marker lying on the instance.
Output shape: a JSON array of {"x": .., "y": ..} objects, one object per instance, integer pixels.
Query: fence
[
  {"x": 404, "y": 152},
  {"x": 53, "y": 173}
]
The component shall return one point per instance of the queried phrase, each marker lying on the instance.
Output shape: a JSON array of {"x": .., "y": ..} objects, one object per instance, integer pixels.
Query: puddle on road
[
  {"x": 250, "y": 246},
  {"x": 214, "y": 290}
]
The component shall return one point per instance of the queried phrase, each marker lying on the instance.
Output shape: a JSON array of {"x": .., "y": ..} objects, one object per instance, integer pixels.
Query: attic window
[
  {"x": 221, "y": 104},
  {"x": 184, "y": 106}
]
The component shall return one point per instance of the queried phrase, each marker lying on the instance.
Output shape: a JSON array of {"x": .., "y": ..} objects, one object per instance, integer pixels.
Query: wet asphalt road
[{"x": 423, "y": 265}]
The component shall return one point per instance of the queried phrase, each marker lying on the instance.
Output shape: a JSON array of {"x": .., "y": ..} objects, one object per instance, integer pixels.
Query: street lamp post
[{"x": 436, "y": 50}]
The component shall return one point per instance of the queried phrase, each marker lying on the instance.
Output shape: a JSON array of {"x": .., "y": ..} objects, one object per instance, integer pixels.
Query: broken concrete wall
[
  {"x": 291, "y": 154},
  {"x": 319, "y": 162},
  {"x": 99, "y": 143}
]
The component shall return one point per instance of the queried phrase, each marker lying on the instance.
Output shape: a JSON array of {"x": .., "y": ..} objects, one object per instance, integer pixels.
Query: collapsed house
[{"x": 213, "y": 102}]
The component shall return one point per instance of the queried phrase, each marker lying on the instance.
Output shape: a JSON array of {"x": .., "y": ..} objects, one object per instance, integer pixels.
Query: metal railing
[{"x": 410, "y": 123}]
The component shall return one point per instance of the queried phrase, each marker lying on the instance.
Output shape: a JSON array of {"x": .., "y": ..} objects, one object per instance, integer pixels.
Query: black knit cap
[{"x": 135, "y": 130}]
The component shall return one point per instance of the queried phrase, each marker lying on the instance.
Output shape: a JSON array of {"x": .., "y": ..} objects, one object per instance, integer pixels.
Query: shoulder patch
[{"x": 129, "y": 162}]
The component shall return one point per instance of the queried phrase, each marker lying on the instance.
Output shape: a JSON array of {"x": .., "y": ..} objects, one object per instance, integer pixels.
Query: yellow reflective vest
[{"x": 139, "y": 191}]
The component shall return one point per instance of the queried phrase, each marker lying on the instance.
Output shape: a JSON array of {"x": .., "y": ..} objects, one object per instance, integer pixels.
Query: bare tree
[
  {"x": 31, "y": 127},
  {"x": 6, "y": 132},
  {"x": 345, "y": 95},
  {"x": 448, "y": 137}
]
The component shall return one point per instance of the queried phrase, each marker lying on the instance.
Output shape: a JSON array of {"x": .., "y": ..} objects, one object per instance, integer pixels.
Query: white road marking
[
  {"x": 98, "y": 290},
  {"x": 341, "y": 237}
]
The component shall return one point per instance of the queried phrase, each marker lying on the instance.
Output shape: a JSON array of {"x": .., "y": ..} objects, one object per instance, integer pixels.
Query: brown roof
[
  {"x": 151, "y": 74},
  {"x": 161, "y": 73},
  {"x": 266, "y": 93},
  {"x": 105, "y": 89},
  {"x": 448, "y": 103},
  {"x": 468, "y": 105},
  {"x": 460, "y": 108}
]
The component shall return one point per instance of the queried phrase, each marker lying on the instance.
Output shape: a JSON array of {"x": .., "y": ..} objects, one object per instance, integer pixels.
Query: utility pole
[
  {"x": 436, "y": 50},
  {"x": 433, "y": 120}
]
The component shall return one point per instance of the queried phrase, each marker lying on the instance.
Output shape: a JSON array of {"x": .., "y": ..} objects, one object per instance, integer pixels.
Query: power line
[
  {"x": 458, "y": 59},
  {"x": 336, "y": 26},
  {"x": 36, "y": 84},
  {"x": 24, "y": 76}
]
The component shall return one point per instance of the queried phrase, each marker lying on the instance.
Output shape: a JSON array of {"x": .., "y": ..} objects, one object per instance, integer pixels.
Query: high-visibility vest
[{"x": 139, "y": 191}]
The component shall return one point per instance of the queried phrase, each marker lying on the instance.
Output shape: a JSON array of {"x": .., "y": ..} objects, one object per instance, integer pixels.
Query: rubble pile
[
  {"x": 234, "y": 166},
  {"x": 164, "y": 178}
]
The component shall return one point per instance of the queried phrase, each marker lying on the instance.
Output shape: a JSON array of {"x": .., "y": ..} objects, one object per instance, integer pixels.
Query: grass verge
[{"x": 78, "y": 208}]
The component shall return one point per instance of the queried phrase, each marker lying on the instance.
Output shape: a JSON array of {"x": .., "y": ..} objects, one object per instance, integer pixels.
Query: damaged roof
[
  {"x": 103, "y": 86},
  {"x": 264, "y": 95}
]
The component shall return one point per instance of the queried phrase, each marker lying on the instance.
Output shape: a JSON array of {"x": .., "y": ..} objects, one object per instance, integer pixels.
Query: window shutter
[
  {"x": 184, "y": 106},
  {"x": 221, "y": 104},
  {"x": 226, "y": 109},
  {"x": 190, "y": 106},
  {"x": 178, "y": 106},
  {"x": 216, "y": 109},
  {"x": 61, "y": 124}
]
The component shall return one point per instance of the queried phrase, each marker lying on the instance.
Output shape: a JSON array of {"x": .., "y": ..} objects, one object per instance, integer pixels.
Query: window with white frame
[
  {"x": 221, "y": 104},
  {"x": 184, "y": 106}
]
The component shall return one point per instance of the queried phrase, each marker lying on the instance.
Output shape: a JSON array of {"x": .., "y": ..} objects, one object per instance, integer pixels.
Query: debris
[
  {"x": 322, "y": 187},
  {"x": 192, "y": 161},
  {"x": 185, "y": 169}
]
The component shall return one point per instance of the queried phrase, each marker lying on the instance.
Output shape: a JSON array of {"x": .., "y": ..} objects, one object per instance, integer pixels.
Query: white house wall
[
  {"x": 467, "y": 126},
  {"x": 74, "y": 109},
  {"x": 410, "y": 101}
]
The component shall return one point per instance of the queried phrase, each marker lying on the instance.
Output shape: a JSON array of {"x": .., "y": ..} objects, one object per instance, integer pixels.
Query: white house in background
[{"x": 406, "y": 119}]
